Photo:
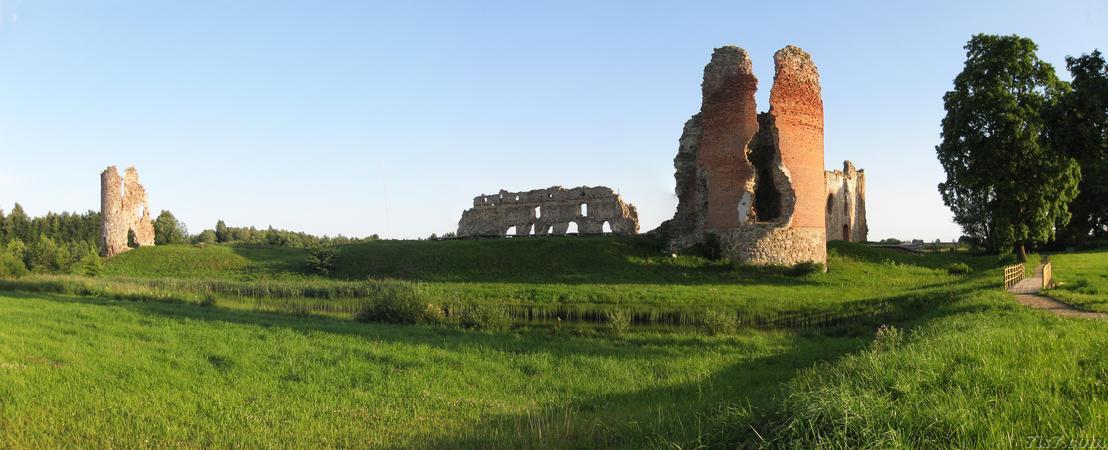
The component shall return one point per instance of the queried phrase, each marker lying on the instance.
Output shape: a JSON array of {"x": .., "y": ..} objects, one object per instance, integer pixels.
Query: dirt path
[{"x": 1027, "y": 293}]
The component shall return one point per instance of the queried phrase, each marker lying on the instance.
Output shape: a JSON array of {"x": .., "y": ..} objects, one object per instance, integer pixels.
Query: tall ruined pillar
[
  {"x": 796, "y": 107},
  {"x": 121, "y": 219},
  {"x": 728, "y": 120},
  {"x": 756, "y": 182},
  {"x": 113, "y": 234}
]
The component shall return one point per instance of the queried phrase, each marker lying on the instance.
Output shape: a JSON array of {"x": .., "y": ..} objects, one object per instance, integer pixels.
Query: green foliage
[
  {"x": 617, "y": 323},
  {"x": 959, "y": 268},
  {"x": 1006, "y": 182},
  {"x": 720, "y": 322},
  {"x": 278, "y": 238},
  {"x": 486, "y": 317},
  {"x": 399, "y": 305},
  {"x": 888, "y": 337},
  {"x": 169, "y": 230},
  {"x": 806, "y": 268},
  {"x": 90, "y": 264},
  {"x": 222, "y": 233},
  {"x": 321, "y": 258},
  {"x": 1080, "y": 128},
  {"x": 206, "y": 237},
  {"x": 11, "y": 267}
]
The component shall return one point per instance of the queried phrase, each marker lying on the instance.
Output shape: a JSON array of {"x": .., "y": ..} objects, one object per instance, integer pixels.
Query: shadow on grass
[{"x": 737, "y": 405}]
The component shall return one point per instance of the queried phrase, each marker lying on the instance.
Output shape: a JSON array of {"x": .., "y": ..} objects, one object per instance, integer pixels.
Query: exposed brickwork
[
  {"x": 549, "y": 211},
  {"x": 756, "y": 181},
  {"x": 124, "y": 212}
]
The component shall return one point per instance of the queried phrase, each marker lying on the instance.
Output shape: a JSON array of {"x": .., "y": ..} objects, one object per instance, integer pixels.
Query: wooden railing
[
  {"x": 1048, "y": 275},
  {"x": 1013, "y": 274}
]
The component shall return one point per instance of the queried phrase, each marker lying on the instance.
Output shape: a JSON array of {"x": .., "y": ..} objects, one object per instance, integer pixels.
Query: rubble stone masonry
[
  {"x": 549, "y": 212},
  {"x": 124, "y": 212}
]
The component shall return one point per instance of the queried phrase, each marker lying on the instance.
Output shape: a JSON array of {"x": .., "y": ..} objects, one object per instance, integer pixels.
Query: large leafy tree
[
  {"x": 1081, "y": 129},
  {"x": 169, "y": 230},
  {"x": 1006, "y": 184}
]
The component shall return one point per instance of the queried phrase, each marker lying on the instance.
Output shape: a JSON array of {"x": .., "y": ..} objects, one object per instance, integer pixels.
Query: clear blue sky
[{"x": 388, "y": 117}]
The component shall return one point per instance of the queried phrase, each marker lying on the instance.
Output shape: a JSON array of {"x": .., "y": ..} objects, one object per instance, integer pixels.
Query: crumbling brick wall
[
  {"x": 846, "y": 204},
  {"x": 549, "y": 212},
  {"x": 124, "y": 212},
  {"x": 754, "y": 180}
]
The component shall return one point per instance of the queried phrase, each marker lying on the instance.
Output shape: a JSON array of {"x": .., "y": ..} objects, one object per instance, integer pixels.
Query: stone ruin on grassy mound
[
  {"x": 124, "y": 213},
  {"x": 755, "y": 181},
  {"x": 552, "y": 211}
]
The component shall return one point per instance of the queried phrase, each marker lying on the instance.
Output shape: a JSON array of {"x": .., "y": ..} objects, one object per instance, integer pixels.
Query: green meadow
[
  {"x": 1082, "y": 278},
  {"x": 185, "y": 346}
]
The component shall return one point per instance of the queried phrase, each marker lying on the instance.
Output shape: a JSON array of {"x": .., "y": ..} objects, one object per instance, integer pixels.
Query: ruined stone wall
[
  {"x": 754, "y": 180},
  {"x": 846, "y": 204},
  {"x": 124, "y": 212},
  {"x": 549, "y": 211}
]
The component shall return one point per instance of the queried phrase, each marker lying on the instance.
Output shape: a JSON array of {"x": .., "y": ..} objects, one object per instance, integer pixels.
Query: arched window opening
[
  {"x": 572, "y": 228},
  {"x": 584, "y": 210},
  {"x": 606, "y": 228}
]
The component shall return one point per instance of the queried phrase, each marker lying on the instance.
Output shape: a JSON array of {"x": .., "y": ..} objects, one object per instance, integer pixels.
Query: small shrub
[
  {"x": 321, "y": 259},
  {"x": 399, "y": 305},
  {"x": 888, "y": 337},
  {"x": 805, "y": 268},
  {"x": 208, "y": 301},
  {"x": 617, "y": 323},
  {"x": 720, "y": 323},
  {"x": 11, "y": 267},
  {"x": 959, "y": 268},
  {"x": 486, "y": 317}
]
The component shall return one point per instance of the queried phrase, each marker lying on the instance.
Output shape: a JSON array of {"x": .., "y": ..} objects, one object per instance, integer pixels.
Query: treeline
[
  {"x": 223, "y": 234},
  {"x": 1026, "y": 153},
  {"x": 65, "y": 242},
  {"x": 70, "y": 242}
]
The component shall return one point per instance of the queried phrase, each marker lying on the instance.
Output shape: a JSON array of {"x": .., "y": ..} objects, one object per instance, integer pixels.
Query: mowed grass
[
  {"x": 105, "y": 373},
  {"x": 1083, "y": 279}
]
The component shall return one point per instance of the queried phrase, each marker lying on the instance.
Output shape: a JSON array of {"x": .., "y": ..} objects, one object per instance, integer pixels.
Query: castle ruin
[
  {"x": 846, "y": 204},
  {"x": 755, "y": 181},
  {"x": 552, "y": 211},
  {"x": 124, "y": 213}
]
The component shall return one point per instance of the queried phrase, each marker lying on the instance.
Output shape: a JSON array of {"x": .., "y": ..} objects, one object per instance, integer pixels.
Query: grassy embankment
[{"x": 539, "y": 279}]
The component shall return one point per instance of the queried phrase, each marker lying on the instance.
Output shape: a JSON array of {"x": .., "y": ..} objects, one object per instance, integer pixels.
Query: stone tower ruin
[
  {"x": 755, "y": 181},
  {"x": 846, "y": 204},
  {"x": 124, "y": 213}
]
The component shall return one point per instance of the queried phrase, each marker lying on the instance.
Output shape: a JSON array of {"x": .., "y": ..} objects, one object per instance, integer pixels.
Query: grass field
[
  {"x": 1083, "y": 279},
  {"x": 108, "y": 373},
  {"x": 963, "y": 365},
  {"x": 548, "y": 278}
]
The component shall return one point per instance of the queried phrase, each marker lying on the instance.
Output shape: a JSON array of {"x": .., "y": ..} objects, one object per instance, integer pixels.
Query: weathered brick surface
[
  {"x": 549, "y": 211},
  {"x": 756, "y": 181},
  {"x": 124, "y": 212}
]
